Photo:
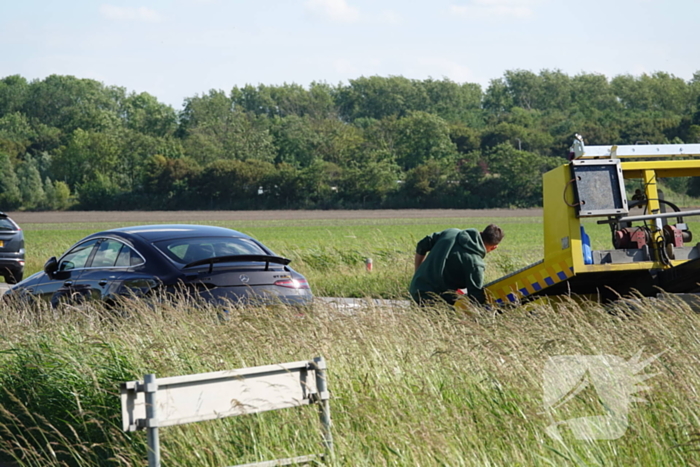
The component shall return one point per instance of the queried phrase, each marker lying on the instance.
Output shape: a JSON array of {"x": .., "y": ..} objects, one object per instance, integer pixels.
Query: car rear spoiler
[{"x": 267, "y": 259}]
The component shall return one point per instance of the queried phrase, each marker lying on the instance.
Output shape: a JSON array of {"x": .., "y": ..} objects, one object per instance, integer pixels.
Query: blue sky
[{"x": 174, "y": 49}]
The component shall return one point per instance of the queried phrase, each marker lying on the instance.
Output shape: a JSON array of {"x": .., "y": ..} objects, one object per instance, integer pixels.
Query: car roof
[{"x": 154, "y": 233}]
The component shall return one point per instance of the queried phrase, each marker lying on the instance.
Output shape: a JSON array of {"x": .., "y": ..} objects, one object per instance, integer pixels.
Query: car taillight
[{"x": 293, "y": 283}]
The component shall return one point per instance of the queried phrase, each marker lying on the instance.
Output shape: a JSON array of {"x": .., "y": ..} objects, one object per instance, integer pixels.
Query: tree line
[{"x": 374, "y": 142}]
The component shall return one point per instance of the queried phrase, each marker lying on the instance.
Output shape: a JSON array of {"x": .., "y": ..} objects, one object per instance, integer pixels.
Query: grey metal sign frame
[{"x": 177, "y": 400}]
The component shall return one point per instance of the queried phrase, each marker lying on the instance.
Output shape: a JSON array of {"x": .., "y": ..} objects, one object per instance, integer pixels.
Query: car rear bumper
[
  {"x": 257, "y": 295},
  {"x": 11, "y": 262}
]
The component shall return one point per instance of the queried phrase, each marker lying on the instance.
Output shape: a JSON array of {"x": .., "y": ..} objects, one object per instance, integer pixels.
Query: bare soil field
[{"x": 154, "y": 217}]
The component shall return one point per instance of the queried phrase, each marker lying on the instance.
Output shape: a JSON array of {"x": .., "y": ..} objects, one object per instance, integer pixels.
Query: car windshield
[{"x": 188, "y": 250}]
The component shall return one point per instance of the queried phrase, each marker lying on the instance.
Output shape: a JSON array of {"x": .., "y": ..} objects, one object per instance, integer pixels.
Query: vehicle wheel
[{"x": 13, "y": 277}]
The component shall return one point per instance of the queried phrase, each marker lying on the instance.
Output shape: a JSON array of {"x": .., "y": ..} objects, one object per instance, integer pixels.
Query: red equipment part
[
  {"x": 673, "y": 236},
  {"x": 632, "y": 237}
]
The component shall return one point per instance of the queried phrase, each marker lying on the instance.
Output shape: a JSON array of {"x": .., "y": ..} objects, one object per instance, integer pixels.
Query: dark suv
[{"x": 11, "y": 250}]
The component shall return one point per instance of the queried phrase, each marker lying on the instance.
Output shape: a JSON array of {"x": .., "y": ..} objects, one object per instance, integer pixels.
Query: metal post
[
  {"x": 653, "y": 205},
  {"x": 150, "y": 388},
  {"x": 324, "y": 397}
]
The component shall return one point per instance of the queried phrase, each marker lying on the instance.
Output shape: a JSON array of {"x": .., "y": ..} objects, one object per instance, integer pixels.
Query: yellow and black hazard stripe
[{"x": 534, "y": 279}]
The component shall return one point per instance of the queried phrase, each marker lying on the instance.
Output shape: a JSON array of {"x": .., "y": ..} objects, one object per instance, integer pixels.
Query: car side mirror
[{"x": 51, "y": 266}]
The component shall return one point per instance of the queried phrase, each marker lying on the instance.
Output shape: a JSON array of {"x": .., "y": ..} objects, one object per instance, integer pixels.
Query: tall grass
[{"x": 409, "y": 386}]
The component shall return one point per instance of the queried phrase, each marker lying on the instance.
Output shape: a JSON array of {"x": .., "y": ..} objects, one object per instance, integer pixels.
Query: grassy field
[{"x": 428, "y": 387}]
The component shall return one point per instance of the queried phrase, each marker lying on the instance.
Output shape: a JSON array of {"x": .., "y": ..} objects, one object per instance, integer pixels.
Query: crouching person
[{"x": 450, "y": 260}]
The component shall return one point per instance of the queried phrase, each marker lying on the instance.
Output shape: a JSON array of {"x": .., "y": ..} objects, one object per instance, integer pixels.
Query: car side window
[
  {"x": 77, "y": 257},
  {"x": 106, "y": 254},
  {"x": 128, "y": 257},
  {"x": 113, "y": 253}
]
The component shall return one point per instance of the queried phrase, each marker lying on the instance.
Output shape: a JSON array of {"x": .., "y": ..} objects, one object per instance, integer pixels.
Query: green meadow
[{"x": 410, "y": 386}]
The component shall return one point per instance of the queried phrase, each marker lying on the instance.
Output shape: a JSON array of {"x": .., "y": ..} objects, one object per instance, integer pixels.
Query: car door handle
[
  {"x": 68, "y": 283},
  {"x": 103, "y": 282}
]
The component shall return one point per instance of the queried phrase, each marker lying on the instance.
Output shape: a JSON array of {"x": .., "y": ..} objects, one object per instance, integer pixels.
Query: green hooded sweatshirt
[{"x": 456, "y": 261}]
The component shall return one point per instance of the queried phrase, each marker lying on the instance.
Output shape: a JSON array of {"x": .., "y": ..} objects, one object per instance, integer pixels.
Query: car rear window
[
  {"x": 188, "y": 250},
  {"x": 7, "y": 224}
]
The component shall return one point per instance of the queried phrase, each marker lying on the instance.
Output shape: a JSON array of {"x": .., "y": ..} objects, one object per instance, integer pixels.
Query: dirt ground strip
[{"x": 153, "y": 217}]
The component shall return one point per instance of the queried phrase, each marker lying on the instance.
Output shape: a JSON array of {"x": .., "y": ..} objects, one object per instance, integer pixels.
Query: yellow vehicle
[{"x": 648, "y": 253}]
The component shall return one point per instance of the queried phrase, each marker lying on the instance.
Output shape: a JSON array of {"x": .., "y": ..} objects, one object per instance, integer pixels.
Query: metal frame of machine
[{"x": 646, "y": 259}]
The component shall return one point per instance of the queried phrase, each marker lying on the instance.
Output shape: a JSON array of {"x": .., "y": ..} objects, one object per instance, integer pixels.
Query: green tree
[
  {"x": 57, "y": 195},
  {"x": 212, "y": 129},
  {"x": 13, "y": 94},
  {"x": 429, "y": 184},
  {"x": 286, "y": 100},
  {"x": 550, "y": 90},
  {"x": 337, "y": 142},
  {"x": 378, "y": 140},
  {"x": 30, "y": 185},
  {"x": 378, "y": 97},
  {"x": 69, "y": 104},
  {"x": 87, "y": 156},
  {"x": 455, "y": 102},
  {"x": 143, "y": 113},
  {"x": 319, "y": 183},
  {"x": 421, "y": 136},
  {"x": 593, "y": 95},
  {"x": 99, "y": 193},
  {"x": 497, "y": 99},
  {"x": 693, "y": 135},
  {"x": 284, "y": 186},
  {"x": 233, "y": 183},
  {"x": 518, "y": 136},
  {"x": 295, "y": 139},
  {"x": 169, "y": 180},
  {"x": 134, "y": 150},
  {"x": 657, "y": 92},
  {"x": 16, "y": 134},
  {"x": 314, "y": 186},
  {"x": 10, "y": 195},
  {"x": 506, "y": 177},
  {"x": 555, "y": 91},
  {"x": 644, "y": 129},
  {"x": 368, "y": 185},
  {"x": 525, "y": 88},
  {"x": 464, "y": 138}
]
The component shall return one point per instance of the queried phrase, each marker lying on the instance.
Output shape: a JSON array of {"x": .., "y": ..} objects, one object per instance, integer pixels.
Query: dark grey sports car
[{"x": 210, "y": 262}]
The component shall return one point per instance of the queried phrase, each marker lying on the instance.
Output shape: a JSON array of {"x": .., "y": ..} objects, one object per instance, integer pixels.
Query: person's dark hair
[{"x": 492, "y": 235}]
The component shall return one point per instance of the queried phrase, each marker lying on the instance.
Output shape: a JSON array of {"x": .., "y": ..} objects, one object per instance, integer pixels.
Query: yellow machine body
[{"x": 618, "y": 271}]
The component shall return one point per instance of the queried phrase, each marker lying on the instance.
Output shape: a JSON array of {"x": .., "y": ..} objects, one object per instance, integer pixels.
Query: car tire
[{"x": 13, "y": 277}]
